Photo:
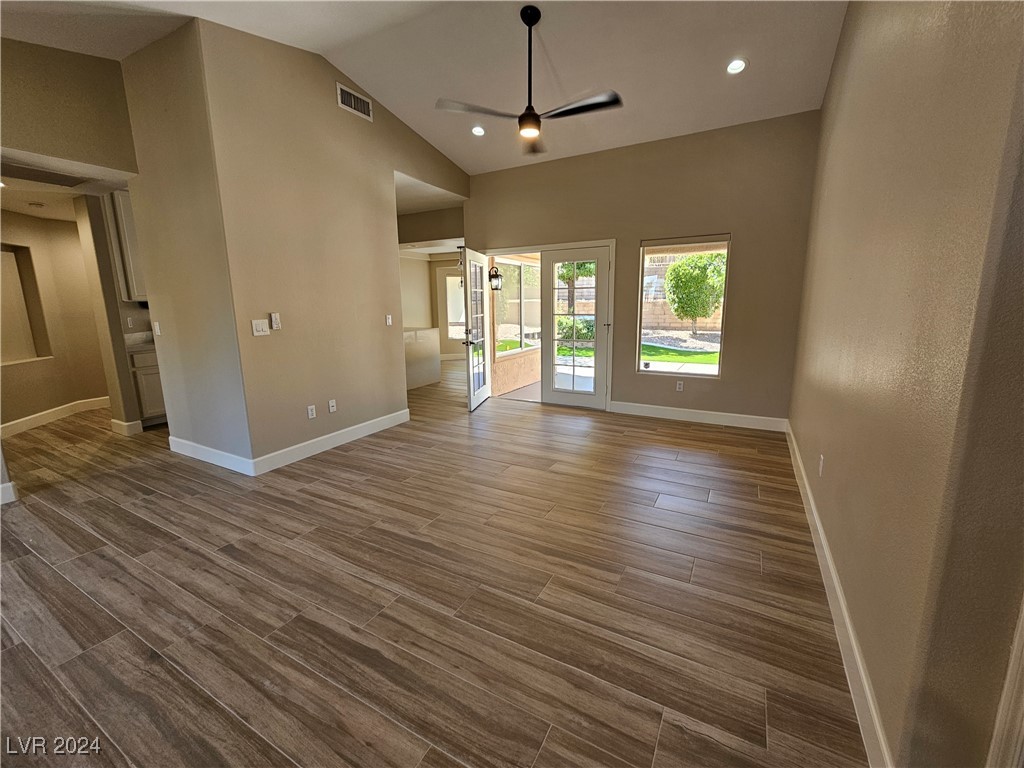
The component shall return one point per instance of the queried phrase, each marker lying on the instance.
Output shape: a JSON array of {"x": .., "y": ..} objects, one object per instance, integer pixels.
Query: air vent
[{"x": 355, "y": 102}]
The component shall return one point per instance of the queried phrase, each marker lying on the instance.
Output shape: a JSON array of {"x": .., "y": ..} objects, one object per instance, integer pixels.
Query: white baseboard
[
  {"x": 702, "y": 417},
  {"x": 288, "y": 455},
  {"x": 126, "y": 428},
  {"x": 38, "y": 419},
  {"x": 8, "y": 493},
  {"x": 872, "y": 731}
]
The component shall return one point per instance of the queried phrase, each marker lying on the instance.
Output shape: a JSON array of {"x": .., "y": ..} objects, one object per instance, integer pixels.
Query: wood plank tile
[
  {"x": 550, "y": 558},
  {"x": 734, "y": 705},
  {"x": 620, "y": 722},
  {"x": 758, "y": 659},
  {"x": 563, "y": 750},
  {"x": 152, "y": 710},
  {"x": 407, "y": 516},
  {"x": 56, "y": 619},
  {"x": 788, "y": 595},
  {"x": 602, "y": 546},
  {"x": 310, "y": 719},
  {"x": 496, "y": 572},
  {"x": 812, "y": 723},
  {"x": 243, "y": 511},
  {"x": 11, "y": 547},
  {"x": 8, "y": 637},
  {"x": 435, "y": 758},
  {"x": 187, "y": 521},
  {"x": 688, "y": 743},
  {"x": 315, "y": 511},
  {"x": 34, "y": 703},
  {"x": 465, "y": 721},
  {"x": 391, "y": 570},
  {"x": 239, "y": 594},
  {"x": 48, "y": 533},
  {"x": 341, "y": 592},
  {"x": 125, "y": 530},
  {"x": 655, "y": 535},
  {"x": 149, "y": 605}
]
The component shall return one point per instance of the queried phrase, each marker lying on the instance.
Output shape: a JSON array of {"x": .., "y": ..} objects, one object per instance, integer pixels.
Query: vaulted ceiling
[{"x": 666, "y": 59}]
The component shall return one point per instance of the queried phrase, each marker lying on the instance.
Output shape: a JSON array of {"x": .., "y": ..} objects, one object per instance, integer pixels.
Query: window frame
[
  {"x": 512, "y": 261},
  {"x": 668, "y": 241}
]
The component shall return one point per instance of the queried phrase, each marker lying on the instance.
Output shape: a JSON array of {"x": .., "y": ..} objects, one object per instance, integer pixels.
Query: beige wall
[
  {"x": 430, "y": 225},
  {"x": 753, "y": 181},
  {"x": 66, "y": 105},
  {"x": 416, "y": 302},
  {"x": 74, "y": 371},
  {"x": 176, "y": 201},
  {"x": 908, "y": 377}
]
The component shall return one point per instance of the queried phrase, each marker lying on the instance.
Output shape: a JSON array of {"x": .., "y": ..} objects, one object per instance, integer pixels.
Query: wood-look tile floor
[{"x": 525, "y": 586}]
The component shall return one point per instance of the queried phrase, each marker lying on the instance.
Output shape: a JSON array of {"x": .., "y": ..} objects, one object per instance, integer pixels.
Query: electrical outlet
[
  {"x": 131, "y": 322},
  {"x": 332, "y": 406},
  {"x": 821, "y": 464},
  {"x": 310, "y": 411},
  {"x": 679, "y": 385},
  {"x": 156, "y": 328},
  {"x": 261, "y": 327},
  {"x": 387, "y": 319},
  {"x": 275, "y": 321}
]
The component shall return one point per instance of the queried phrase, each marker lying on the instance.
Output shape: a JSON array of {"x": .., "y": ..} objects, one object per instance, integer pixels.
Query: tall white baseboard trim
[
  {"x": 8, "y": 493},
  {"x": 288, "y": 455},
  {"x": 38, "y": 419},
  {"x": 702, "y": 417},
  {"x": 126, "y": 428},
  {"x": 875, "y": 743}
]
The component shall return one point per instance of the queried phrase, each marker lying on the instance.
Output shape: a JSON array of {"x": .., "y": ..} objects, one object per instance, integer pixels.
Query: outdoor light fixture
[{"x": 494, "y": 278}]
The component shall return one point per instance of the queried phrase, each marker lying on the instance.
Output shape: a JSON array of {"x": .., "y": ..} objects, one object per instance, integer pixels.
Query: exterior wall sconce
[{"x": 494, "y": 278}]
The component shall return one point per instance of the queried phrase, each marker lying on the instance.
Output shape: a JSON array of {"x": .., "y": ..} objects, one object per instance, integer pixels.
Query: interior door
[
  {"x": 478, "y": 327},
  {"x": 575, "y": 327}
]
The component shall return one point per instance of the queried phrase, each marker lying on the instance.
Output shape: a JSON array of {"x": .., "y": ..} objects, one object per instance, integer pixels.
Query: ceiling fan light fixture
[{"x": 529, "y": 124}]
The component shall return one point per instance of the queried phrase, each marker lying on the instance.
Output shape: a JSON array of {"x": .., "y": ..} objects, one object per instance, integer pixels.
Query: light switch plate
[
  {"x": 310, "y": 411},
  {"x": 332, "y": 406},
  {"x": 679, "y": 385},
  {"x": 387, "y": 319},
  {"x": 275, "y": 321},
  {"x": 260, "y": 327},
  {"x": 156, "y": 328}
]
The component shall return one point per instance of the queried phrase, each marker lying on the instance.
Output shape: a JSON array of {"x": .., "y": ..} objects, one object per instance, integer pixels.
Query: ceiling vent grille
[{"x": 355, "y": 102}]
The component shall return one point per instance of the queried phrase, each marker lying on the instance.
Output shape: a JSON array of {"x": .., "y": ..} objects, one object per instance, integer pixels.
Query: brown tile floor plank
[
  {"x": 244, "y": 597},
  {"x": 563, "y": 750},
  {"x": 49, "y": 613},
  {"x": 8, "y": 637},
  {"x": 785, "y": 594},
  {"x": 310, "y": 719},
  {"x": 125, "y": 530},
  {"x": 812, "y": 723},
  {"x": 153, "y": 711},
  {"x": 149, "y": 605},
  {"x": 393, "y": 571},
  {"x": 620, "y": 722},
  {"x": 732, "y": 704},
  {"x": 187, "y": 521},
  {"x": 435, "y": 758},
  {"x": 35, "y": 703},
  {"x": 341, "y": 592},
  {"x": 11, "y": 547},
  {"x": 463, "y": 720},
  {"x": 314, "y": 511},
  {"x": 242, "y": 510},
  {"x": 52, "y": 536}
]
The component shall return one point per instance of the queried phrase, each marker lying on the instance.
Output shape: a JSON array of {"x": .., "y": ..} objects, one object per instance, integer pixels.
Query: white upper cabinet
[{"x": 130, "y": 274}]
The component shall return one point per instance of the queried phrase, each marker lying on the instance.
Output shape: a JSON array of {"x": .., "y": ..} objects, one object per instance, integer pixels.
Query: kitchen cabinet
[
  {"x": 147, "y": 384},
  {"x": 131, "y": 277}
]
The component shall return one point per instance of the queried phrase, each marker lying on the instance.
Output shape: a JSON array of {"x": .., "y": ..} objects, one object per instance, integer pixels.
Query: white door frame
[
  {"x": 611, "y": 286},
  {"x": 470, "y": 260}
]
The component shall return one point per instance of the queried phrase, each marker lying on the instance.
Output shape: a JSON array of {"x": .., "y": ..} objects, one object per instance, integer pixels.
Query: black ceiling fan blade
[
  {"x": 458, "y": 106},
  {"x": 605, "y": 100}
]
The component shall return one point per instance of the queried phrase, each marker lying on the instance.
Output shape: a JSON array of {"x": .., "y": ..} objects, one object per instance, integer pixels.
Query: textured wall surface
[{"x": 909, "y": 361}]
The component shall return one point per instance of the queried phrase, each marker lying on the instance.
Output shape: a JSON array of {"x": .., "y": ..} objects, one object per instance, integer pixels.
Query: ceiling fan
[{"x": 530, "y": 120}]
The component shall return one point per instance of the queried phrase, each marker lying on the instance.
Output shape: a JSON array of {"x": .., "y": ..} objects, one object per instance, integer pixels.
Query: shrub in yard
[
  {"x": 584, "y": 328},
  {"x": 695, "y": 286}
]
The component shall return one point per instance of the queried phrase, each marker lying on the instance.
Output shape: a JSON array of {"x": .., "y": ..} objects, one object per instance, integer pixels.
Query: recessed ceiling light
[
  {"x": 736, "y": 66},
  {"x": 478, "y": 130}
]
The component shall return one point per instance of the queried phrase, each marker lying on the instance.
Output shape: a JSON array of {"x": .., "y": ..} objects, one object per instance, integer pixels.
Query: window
[
  {"x": 682, "y": 301},
  {"x": 517, "y": 307},
  {"x": 456, "y": 304},
  {"x": 22, "y": 330}
]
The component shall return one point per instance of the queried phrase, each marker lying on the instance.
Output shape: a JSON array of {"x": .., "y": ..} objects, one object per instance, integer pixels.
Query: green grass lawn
[{"x": 652, "y": 354}]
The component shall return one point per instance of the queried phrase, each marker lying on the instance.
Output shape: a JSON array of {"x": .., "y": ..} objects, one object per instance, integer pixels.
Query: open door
[
  {"x": 478, "y": 327},
  {"x": 575, "y": 327}
]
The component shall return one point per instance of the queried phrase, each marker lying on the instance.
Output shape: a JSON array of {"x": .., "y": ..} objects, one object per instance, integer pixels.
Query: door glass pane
[
  {"x": 478, "y": 360},
  {"x": 574, "y": 324},
  {"x": 456, "y": 304},
  {"x": 531, "y": 306}
]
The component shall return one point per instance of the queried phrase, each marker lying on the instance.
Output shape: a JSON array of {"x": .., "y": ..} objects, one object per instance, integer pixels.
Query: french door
[
  {"x": 575, "y": 327},
  {"x": 478, "y": 327}
]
